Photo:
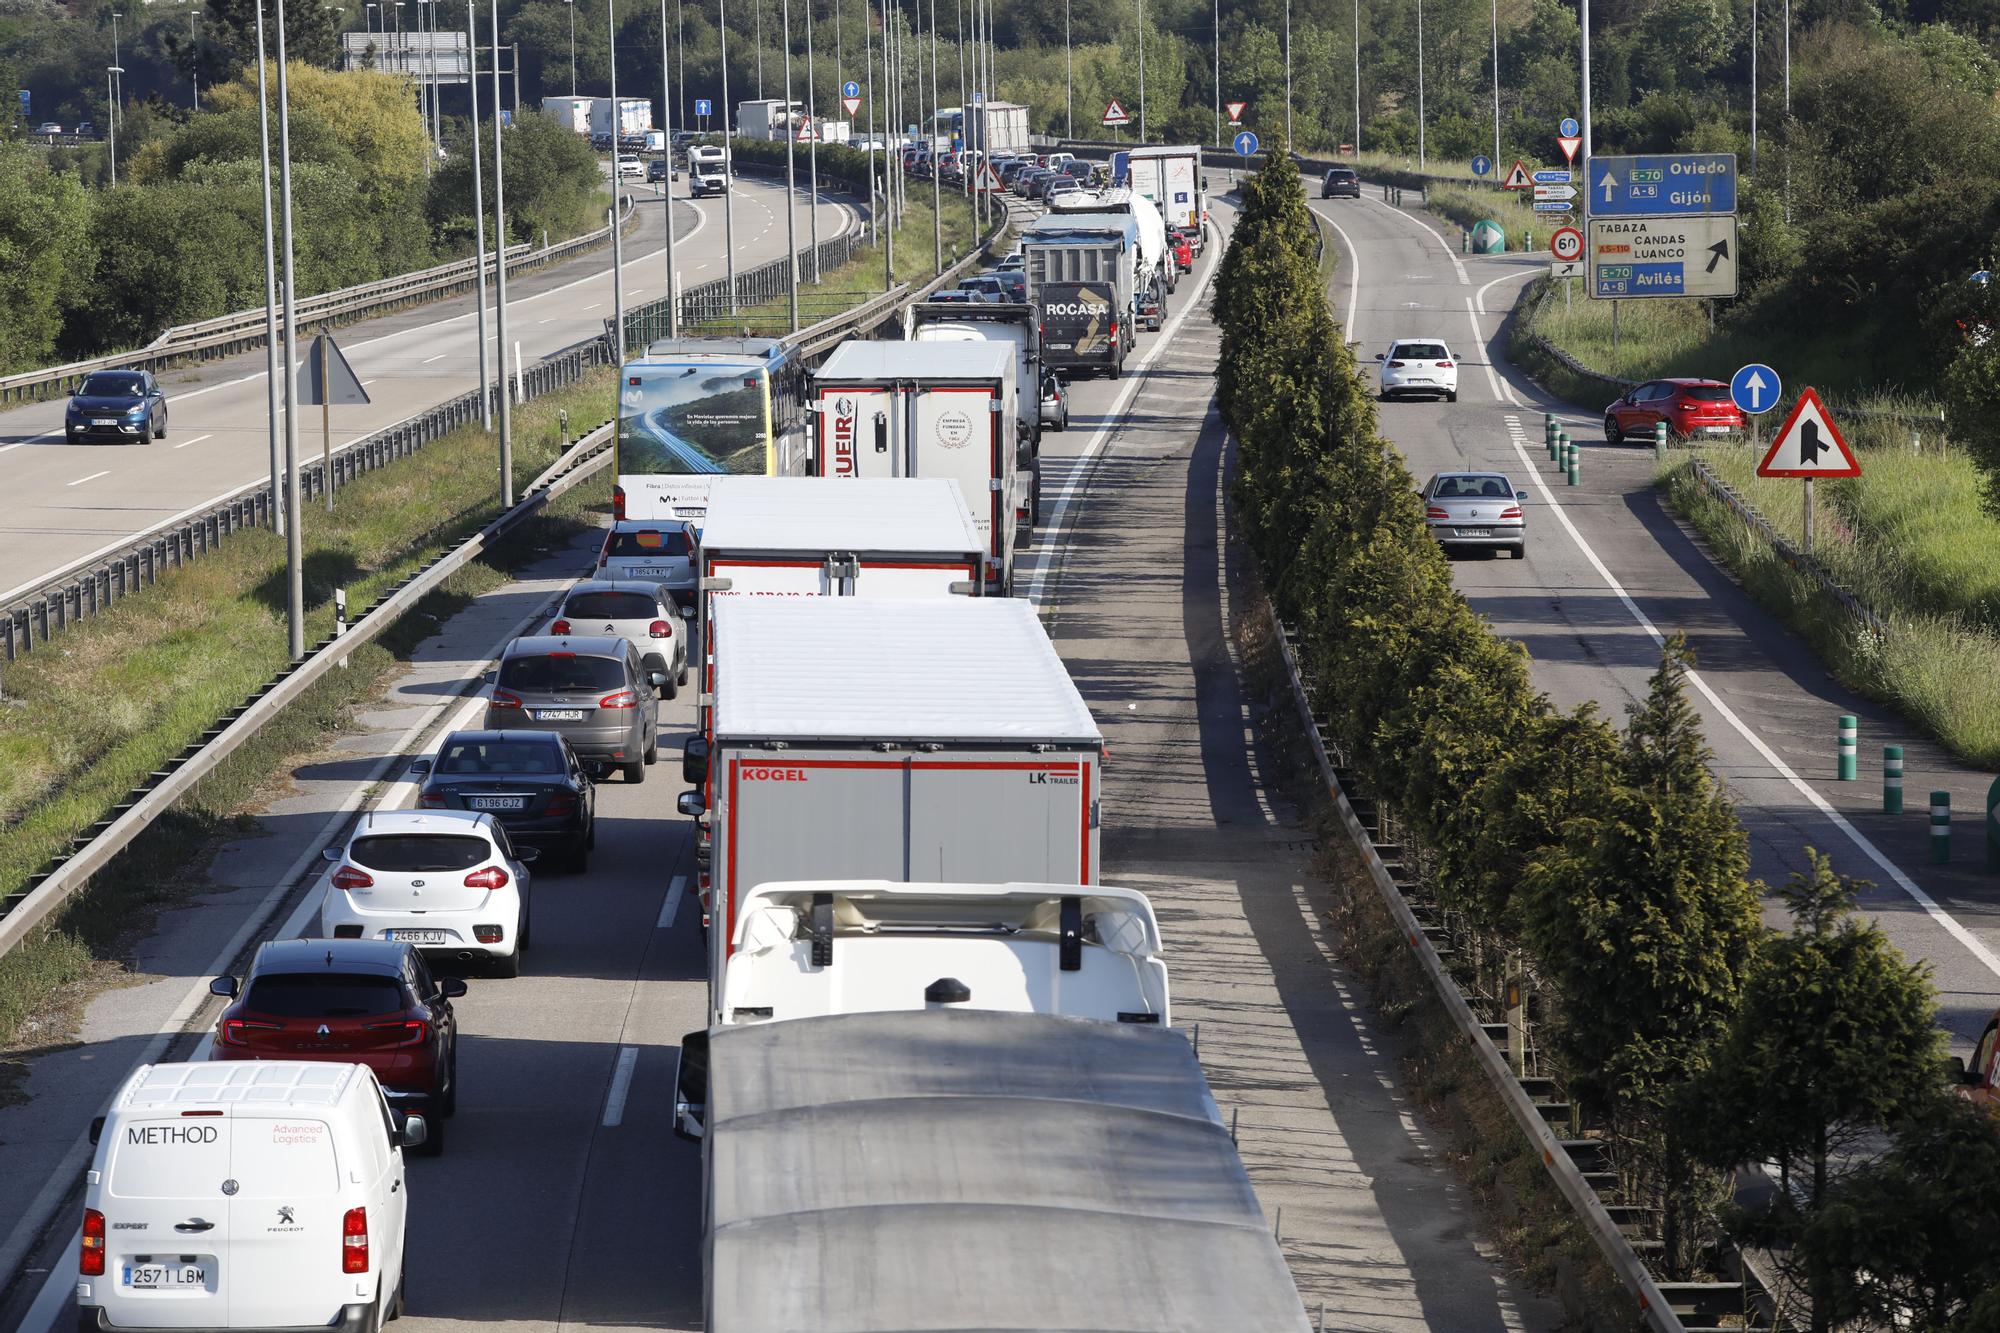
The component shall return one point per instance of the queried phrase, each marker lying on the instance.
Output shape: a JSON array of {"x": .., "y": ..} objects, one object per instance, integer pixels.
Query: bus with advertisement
[{"x": 693, "y": 409}]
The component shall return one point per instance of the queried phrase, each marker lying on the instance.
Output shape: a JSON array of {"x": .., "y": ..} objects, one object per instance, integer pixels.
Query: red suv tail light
[
  {"x": 405, "y": 1032},
  {"x": 504, "y": 699},
  {"x": 90, "y": 1262},
  {"x": 490, "y": 878},
  {"x": 488, "y": 934},
  {"x": 560, "y": 627},
  {"x": 621, "y": 699},
  {"x": 660, "y": 629},
  {"x": 354, "y": 1241},
  {"x": 235, "y": 1031},
  {"x": 617, "y": 510},
  {"x": 348, "y": 878}
]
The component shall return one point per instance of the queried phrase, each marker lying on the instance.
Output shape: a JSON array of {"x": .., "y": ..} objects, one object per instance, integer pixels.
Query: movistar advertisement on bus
[{"x": 679, "y": 425}]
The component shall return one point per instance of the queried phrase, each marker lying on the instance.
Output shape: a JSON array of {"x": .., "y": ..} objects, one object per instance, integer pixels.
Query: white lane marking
[
  {"x": 366, "y": 383},
  {"x": 1353, "y": 274},
  {"x": 32, "y": 439},
  {"x": 1505, "y": 390},
  {"x": 593, "y": 305},
  {"x": 1443, "y": 245},
  {"x": 1080, "y": 465},
  {"x": 92, "y": 477},
  {"x": 1479, "y": 341},
  {"x": 194, "y": 440},
  {"x": 621, "y": 1087},
  {"x": 672, "y": 907},
  {"x": 439, "y": 357}
]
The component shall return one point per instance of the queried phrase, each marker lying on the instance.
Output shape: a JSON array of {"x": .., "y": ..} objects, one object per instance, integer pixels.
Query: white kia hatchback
[{"x": 447, "y": 881}]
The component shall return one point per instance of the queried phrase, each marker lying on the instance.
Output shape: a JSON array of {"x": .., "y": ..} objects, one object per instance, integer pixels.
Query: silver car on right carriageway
[{"x": 1476, "y": 510}]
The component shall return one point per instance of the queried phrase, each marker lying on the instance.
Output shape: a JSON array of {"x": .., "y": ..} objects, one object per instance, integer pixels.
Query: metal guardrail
[
  {"x": 1654, "y": 1307},
  {"x": 46, "y": 892},
  {"x": 1730, "y": 498},
  {"x": 226, "y": 335},
  {"x": 91, "y": 586}
]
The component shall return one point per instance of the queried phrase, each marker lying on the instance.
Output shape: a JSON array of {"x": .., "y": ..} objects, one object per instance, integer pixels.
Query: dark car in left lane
[
  {"x": 531, "y": 782},
  {"x": 116, "y": 405}
]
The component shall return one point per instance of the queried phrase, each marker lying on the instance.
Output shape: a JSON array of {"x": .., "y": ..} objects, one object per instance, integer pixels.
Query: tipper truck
[
  {"x": 1081, "y": 270},
  {"x": 903, "y": 409},
  {"x": 962, "y": 1168},
  {"x": 931, "y": 741}
]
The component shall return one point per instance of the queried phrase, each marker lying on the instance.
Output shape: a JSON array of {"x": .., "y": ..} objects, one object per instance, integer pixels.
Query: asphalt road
[
  {"x": 1610, "y": 569},
  {"x": 69, "y": 502},
  {"x": 563, "y": 1201}
]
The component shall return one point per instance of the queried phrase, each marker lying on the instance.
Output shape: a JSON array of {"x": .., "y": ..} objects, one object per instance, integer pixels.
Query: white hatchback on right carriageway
[{"x": 1417, "y": 365}]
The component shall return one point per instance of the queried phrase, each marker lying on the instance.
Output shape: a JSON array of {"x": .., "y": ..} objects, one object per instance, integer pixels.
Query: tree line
[{"x": 1609, "y": 858}]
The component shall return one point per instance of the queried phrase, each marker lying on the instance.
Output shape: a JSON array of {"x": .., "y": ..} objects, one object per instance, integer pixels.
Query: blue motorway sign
[
  {"x": 1553, "y": 176},
  {"x": 1755, "y": 388},
  {"x": 506, "y": 118},
  {"x": 1481, "y": 165},
  {"x": 1668, "y": 185},
  {"x": 850, "y": 89},
  {"x": 1245, "y": 143},
  {"x": 1554, "y": 206},
  {"x": 1569, "y": 129},
  {"x": 703, "y": 107}
]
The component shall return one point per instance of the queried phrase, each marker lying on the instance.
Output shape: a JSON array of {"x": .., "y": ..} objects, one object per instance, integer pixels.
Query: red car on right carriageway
[{"x": 1688, "y": 406}]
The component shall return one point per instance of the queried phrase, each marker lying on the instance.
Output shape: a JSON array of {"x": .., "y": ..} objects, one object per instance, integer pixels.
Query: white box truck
[
  {"x": 1011, "y": 322},
  {"x": 921, "y": 741},
  {"x": 1171, "y": 178},
  {"x": 770, "y": 118},
  {"x": 995, "y": 127},
  {"x": 817, "y": 537},
  {"x": 572, "y": 113},
  {"x": 959, "y": 1168},
  {"x": 807, "y": 948},
  {"x": 903, "y": 409},
  {"x": 634, "y": 116}
]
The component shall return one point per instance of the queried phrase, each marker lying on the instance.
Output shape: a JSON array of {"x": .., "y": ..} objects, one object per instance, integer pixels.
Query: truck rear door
[
  {"x": 956, "y": 432},
  {"x": 1180, "y": 192},
  {"x": 995, "y": 817},
  {"x": 856, "y": 433}
]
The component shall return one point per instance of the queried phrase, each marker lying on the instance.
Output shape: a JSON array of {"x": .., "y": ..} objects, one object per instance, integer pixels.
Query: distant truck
[
  {"x": 1081, "y": 270},
  {"x": 903, "y": 409},
  {"x": 808, "y": 948},
  {"x": 935, "y": 740},
  {"x": 572, "y": 113},
  {"x": 1151, "y": 262},
  {"x": 881, "y": 537},
  {"x": 1172, "y": 179},
  {"x": 991, "y": 128},
  {"x": 770, "y": 118},
  {"x": 1011, "y": 322},
  {"x": 633, "y": 117},
  {"x": 961, "y": 1168}
]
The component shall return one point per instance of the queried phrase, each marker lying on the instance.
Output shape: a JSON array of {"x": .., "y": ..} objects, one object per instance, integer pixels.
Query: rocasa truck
[
  {"x": 694, "y": 409},
  {"x": 1172, "y": 179},
  {"x": 1080, "y": 282},
  {"x": 817, "y": 537},
  {"x": 932, "y": 741},
  {"x": 903, "y": 409}
]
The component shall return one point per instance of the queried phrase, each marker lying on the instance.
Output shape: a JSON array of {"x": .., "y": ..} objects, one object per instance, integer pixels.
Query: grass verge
[
  {"x": 1908, "y": 538},
  {"x": 95, "y": 711}
]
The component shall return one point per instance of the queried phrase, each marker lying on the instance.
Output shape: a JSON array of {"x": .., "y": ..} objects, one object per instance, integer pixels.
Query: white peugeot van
[{"x": 253, "y": 1195}]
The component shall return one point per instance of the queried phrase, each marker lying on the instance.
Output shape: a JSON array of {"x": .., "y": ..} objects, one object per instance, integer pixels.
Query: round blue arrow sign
[
  {"x": 1481, "y": 165},
  {"x": 1755, "y": 388},
  {"x": 1246, "y": 144},
  {"x": 1569, "y": 128},
  {"x": 850, "y": 89}
]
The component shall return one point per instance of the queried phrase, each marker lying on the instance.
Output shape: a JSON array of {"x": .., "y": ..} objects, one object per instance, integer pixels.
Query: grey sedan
[{"x": 1476, "y": 510}]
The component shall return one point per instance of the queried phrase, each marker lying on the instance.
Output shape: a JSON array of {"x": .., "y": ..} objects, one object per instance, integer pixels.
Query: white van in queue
[{"x": 254, "y": 1195}]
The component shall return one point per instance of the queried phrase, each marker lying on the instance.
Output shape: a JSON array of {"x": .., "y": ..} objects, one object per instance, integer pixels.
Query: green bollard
[
  {"x": 1575, "y": 464},
  {"x": 1562, "y": 449},
  {"x": 1940, "y": 827},
  {"x": 1549, "y": 432},
  {"x": 1892, "y": 779},
  {"x": 1465, "y": 241},
  {"x": 1850, "y": 756},
  {"x": 1659, "y": 439}
]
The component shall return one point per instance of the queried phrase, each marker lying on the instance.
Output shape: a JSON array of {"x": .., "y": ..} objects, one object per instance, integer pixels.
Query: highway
[
  {"x": 70, "y": 502},
  {"x": 1610, "y": 569},
  {"x": 562, "y": 1200}
]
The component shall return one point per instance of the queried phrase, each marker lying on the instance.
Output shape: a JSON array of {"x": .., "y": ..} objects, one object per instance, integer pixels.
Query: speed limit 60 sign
[{"x": 1566, "y": 244}]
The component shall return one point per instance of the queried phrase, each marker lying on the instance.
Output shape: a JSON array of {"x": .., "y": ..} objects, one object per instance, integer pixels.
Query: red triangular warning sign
[
  {"x": 1809, "y": 445},
  {"x": 1115, "y": 114},
  {"x": 1518, "y": 178},
  {"x": 989, "y": 179}
]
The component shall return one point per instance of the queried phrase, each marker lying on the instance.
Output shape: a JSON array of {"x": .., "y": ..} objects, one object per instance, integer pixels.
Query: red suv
[
  {"x": 368, "y": 1002},
  {"x": 1183, "y": 248},
  {"x": 1689, "y": 407}
]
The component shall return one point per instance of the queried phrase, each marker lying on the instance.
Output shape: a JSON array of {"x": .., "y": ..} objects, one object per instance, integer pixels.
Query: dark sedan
[
  {"x": 530, "y": 781},
  {"x": 116, "y": 405}
]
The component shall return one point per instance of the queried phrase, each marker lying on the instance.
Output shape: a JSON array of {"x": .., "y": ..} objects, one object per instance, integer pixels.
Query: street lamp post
[
  {"x": 1420, "y": 85},
  {"x": 479, "y": 217},
  {"x": 728, "y": 158},
  {"x": 500, "y": 276},
  {"x": 667, "y": 110},
  {"x": 111, "y": 73},
  {"x": 791, "y": 175},
  {"x": 1142, "y": 69},
  {"x": 812, "y": 146},
  {"x": 1288, "y": 76},
  {"x": 116, "y": 67},
  {"x": 295, "y": 597},
  {"x": 280, "y": 519},
  {"x": 617, "y": 146},
  {"x": 572, "y": 46}
]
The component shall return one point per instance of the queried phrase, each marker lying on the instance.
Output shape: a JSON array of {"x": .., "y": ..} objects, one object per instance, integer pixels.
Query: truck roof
[
  {"x": 868, "y": 361},
  {"x": 1061, "y": 226},
  {"x": 860, "y": 514},
  {"x": 1186, "y": 150},
  {"x": 278, "y": 1084},
  {"x": 849, "y": 668},
  {"x": 1065, "y": 1174}
]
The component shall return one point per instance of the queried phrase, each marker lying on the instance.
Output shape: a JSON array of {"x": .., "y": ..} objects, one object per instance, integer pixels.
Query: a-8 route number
[{"x": 1566, "y": 244}]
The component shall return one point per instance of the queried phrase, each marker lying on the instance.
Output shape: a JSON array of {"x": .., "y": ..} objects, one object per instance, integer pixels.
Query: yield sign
[
  {"x": 853, "y": 104},
  {"x": 1115, "y": 114},
  {"x": 1569, "y": 144},
  {"x": 1809, "y": 445},
  {"x": 1236, "y": 112},
  {"x": 1518, "y": 179}
]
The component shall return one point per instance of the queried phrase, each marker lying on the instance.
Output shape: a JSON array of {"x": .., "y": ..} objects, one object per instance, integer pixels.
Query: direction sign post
[
  {"x": 1755, "y": 389},
  {"x": 1481, "y": 165},
  {"x": 1673, "y": 185},
  {"x": 1245, "y": 144},
  {"x": 1808, "y": 445},
  {"x": 1641, "y": 257}
]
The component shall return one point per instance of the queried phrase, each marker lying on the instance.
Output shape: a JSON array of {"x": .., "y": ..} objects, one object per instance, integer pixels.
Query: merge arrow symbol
[{"x": 1717, "y": 253}]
